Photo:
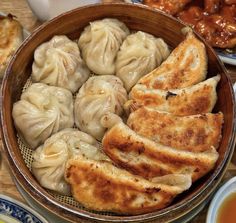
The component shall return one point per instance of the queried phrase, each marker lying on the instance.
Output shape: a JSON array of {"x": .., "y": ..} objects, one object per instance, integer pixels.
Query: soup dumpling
[
  {"x": 99, "y": 96},
  {"x": 58, "y": 63},
  {"x": 139, "y": 54},
  {"x": 41, "y": 111},
  {"x": 100, "y": 42}
]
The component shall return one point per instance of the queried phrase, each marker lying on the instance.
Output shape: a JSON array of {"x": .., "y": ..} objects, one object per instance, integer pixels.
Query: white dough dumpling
[
  {"x": 58, "y": 63},
  {"x": 50, "y": 158},
  {"x": 41, "y": 111},
  {"x": 99, "y": 96},
  {"x": 139, "y": 54},
  {"x": 100, "y": 42}
]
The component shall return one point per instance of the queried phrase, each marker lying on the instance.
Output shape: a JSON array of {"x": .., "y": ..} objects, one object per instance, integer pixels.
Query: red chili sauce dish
[{"x": 215, "y": 20}]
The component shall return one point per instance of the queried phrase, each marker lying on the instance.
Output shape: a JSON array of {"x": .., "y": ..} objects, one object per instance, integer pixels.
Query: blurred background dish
[
  {"x": 214, "y": 20},
  {"x": 14, "y": 211},
  {"x": 52, "y": 218},
  {"x": 12, "y": 36},
  {"x": 228, "y": 58},
  {"x": 26, "y": 33},
  {"x": 223, "y": 194},
  {"x": 45, "y": 9}
]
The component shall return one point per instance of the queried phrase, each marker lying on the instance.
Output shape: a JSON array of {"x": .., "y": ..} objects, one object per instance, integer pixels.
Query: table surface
[{"x": 20, "y": 9}]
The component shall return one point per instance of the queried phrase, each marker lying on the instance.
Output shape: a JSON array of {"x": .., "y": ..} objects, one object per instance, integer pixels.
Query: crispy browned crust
[
  {"x": 101, "y": 186},
  {"x": 147, "y": 158},
  {"x": 197, "y": 99},
  {"x": 186, "y": 66},
  {"x": 195, "y": 133},
  {"x": 11, "y": 37}
]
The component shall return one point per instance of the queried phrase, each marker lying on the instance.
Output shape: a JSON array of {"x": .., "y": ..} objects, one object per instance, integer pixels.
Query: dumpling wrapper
[
  {"x": 139, "y": 54},
  {"x": 100, "y": 42},
  {"x": 42, "y": 111},
  {"x": 50, "y": 158},
  {"x": 58, "y": 63},
  {"x": 186, "y": 66},
  {"x": 101, "y": 186},
  {"x": 195, "y": 133},
  {"x": 99, "y": 96},
  {"x": 196, "y": 99},
  {"x": 149, "y": 159},
  {"x": 11, "y": 36}
]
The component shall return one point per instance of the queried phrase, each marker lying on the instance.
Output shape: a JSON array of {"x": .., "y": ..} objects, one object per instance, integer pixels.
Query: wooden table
[{"x": 20, "y": 9}]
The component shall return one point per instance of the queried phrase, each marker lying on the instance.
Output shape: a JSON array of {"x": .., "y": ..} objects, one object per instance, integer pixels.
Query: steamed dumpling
[
  {"x": 42, "y": 111},
  {"x": 58, "y": 63},
  {"x": 139, "y": 54},
  {"x": 100, "y": 42},
  {"x": 97, "y": 97},
  {"x": 50, "y": 158}
]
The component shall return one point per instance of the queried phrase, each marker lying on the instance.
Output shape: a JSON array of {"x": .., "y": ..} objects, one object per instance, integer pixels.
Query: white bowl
[
  {"x": 227, "y": 189},
  {"x": 48, "y": 9}
]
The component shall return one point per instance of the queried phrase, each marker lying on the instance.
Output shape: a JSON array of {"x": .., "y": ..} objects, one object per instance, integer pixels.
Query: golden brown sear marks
[
  {"x": 195, "y": 133},
  {"x": 186, "y": 66},
  {"x": 138, "y": 154},
  {"x": 101, "y": 186},
  {"x": 11, "y": 37},
  {"x": 197, "y": 99}
]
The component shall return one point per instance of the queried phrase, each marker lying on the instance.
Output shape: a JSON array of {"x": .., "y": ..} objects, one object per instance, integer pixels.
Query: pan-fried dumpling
[
  {"x": 197, "y": 99},
  {"x": 42, "y": 111},
  {"x": 50, "y": 158},
  {"x": 11, "y": 36},
  {"x": 97, "y": 97},
  {"x": 148, "y": 159},
  {"x": 196, "y": 133},
  {"x": 101, "y": 186},
  {"x": 58, "y": 63},
  {"x": 186, "y": 66},
  {"x": 139, "y": 54},
  {"x": 100, "y": 42}
]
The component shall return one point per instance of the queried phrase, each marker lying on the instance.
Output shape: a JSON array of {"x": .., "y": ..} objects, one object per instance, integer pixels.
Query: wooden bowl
[{"x": 136, "y": 17}]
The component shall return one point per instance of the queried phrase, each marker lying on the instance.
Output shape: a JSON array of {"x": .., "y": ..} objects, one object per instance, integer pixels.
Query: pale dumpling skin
[
  {"x": 139, "y": 54},
  {"x": 99, "y": 96},
  {"x": 100, "y": 42},
  {"x": 50, "y": 158},
  {"x": 41, "y": 111},
  {"x": 58, "y": 63}
]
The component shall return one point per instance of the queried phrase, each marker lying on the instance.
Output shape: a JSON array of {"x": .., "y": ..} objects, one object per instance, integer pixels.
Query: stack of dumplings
[
  {"x": 100, "y": 42},
  {"x": 115, "y": 118},
  {"x": 171, "y": 129}
]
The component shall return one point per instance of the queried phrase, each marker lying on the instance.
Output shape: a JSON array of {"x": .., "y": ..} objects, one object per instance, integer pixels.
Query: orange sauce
[{"x": 227, "y": 210}]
